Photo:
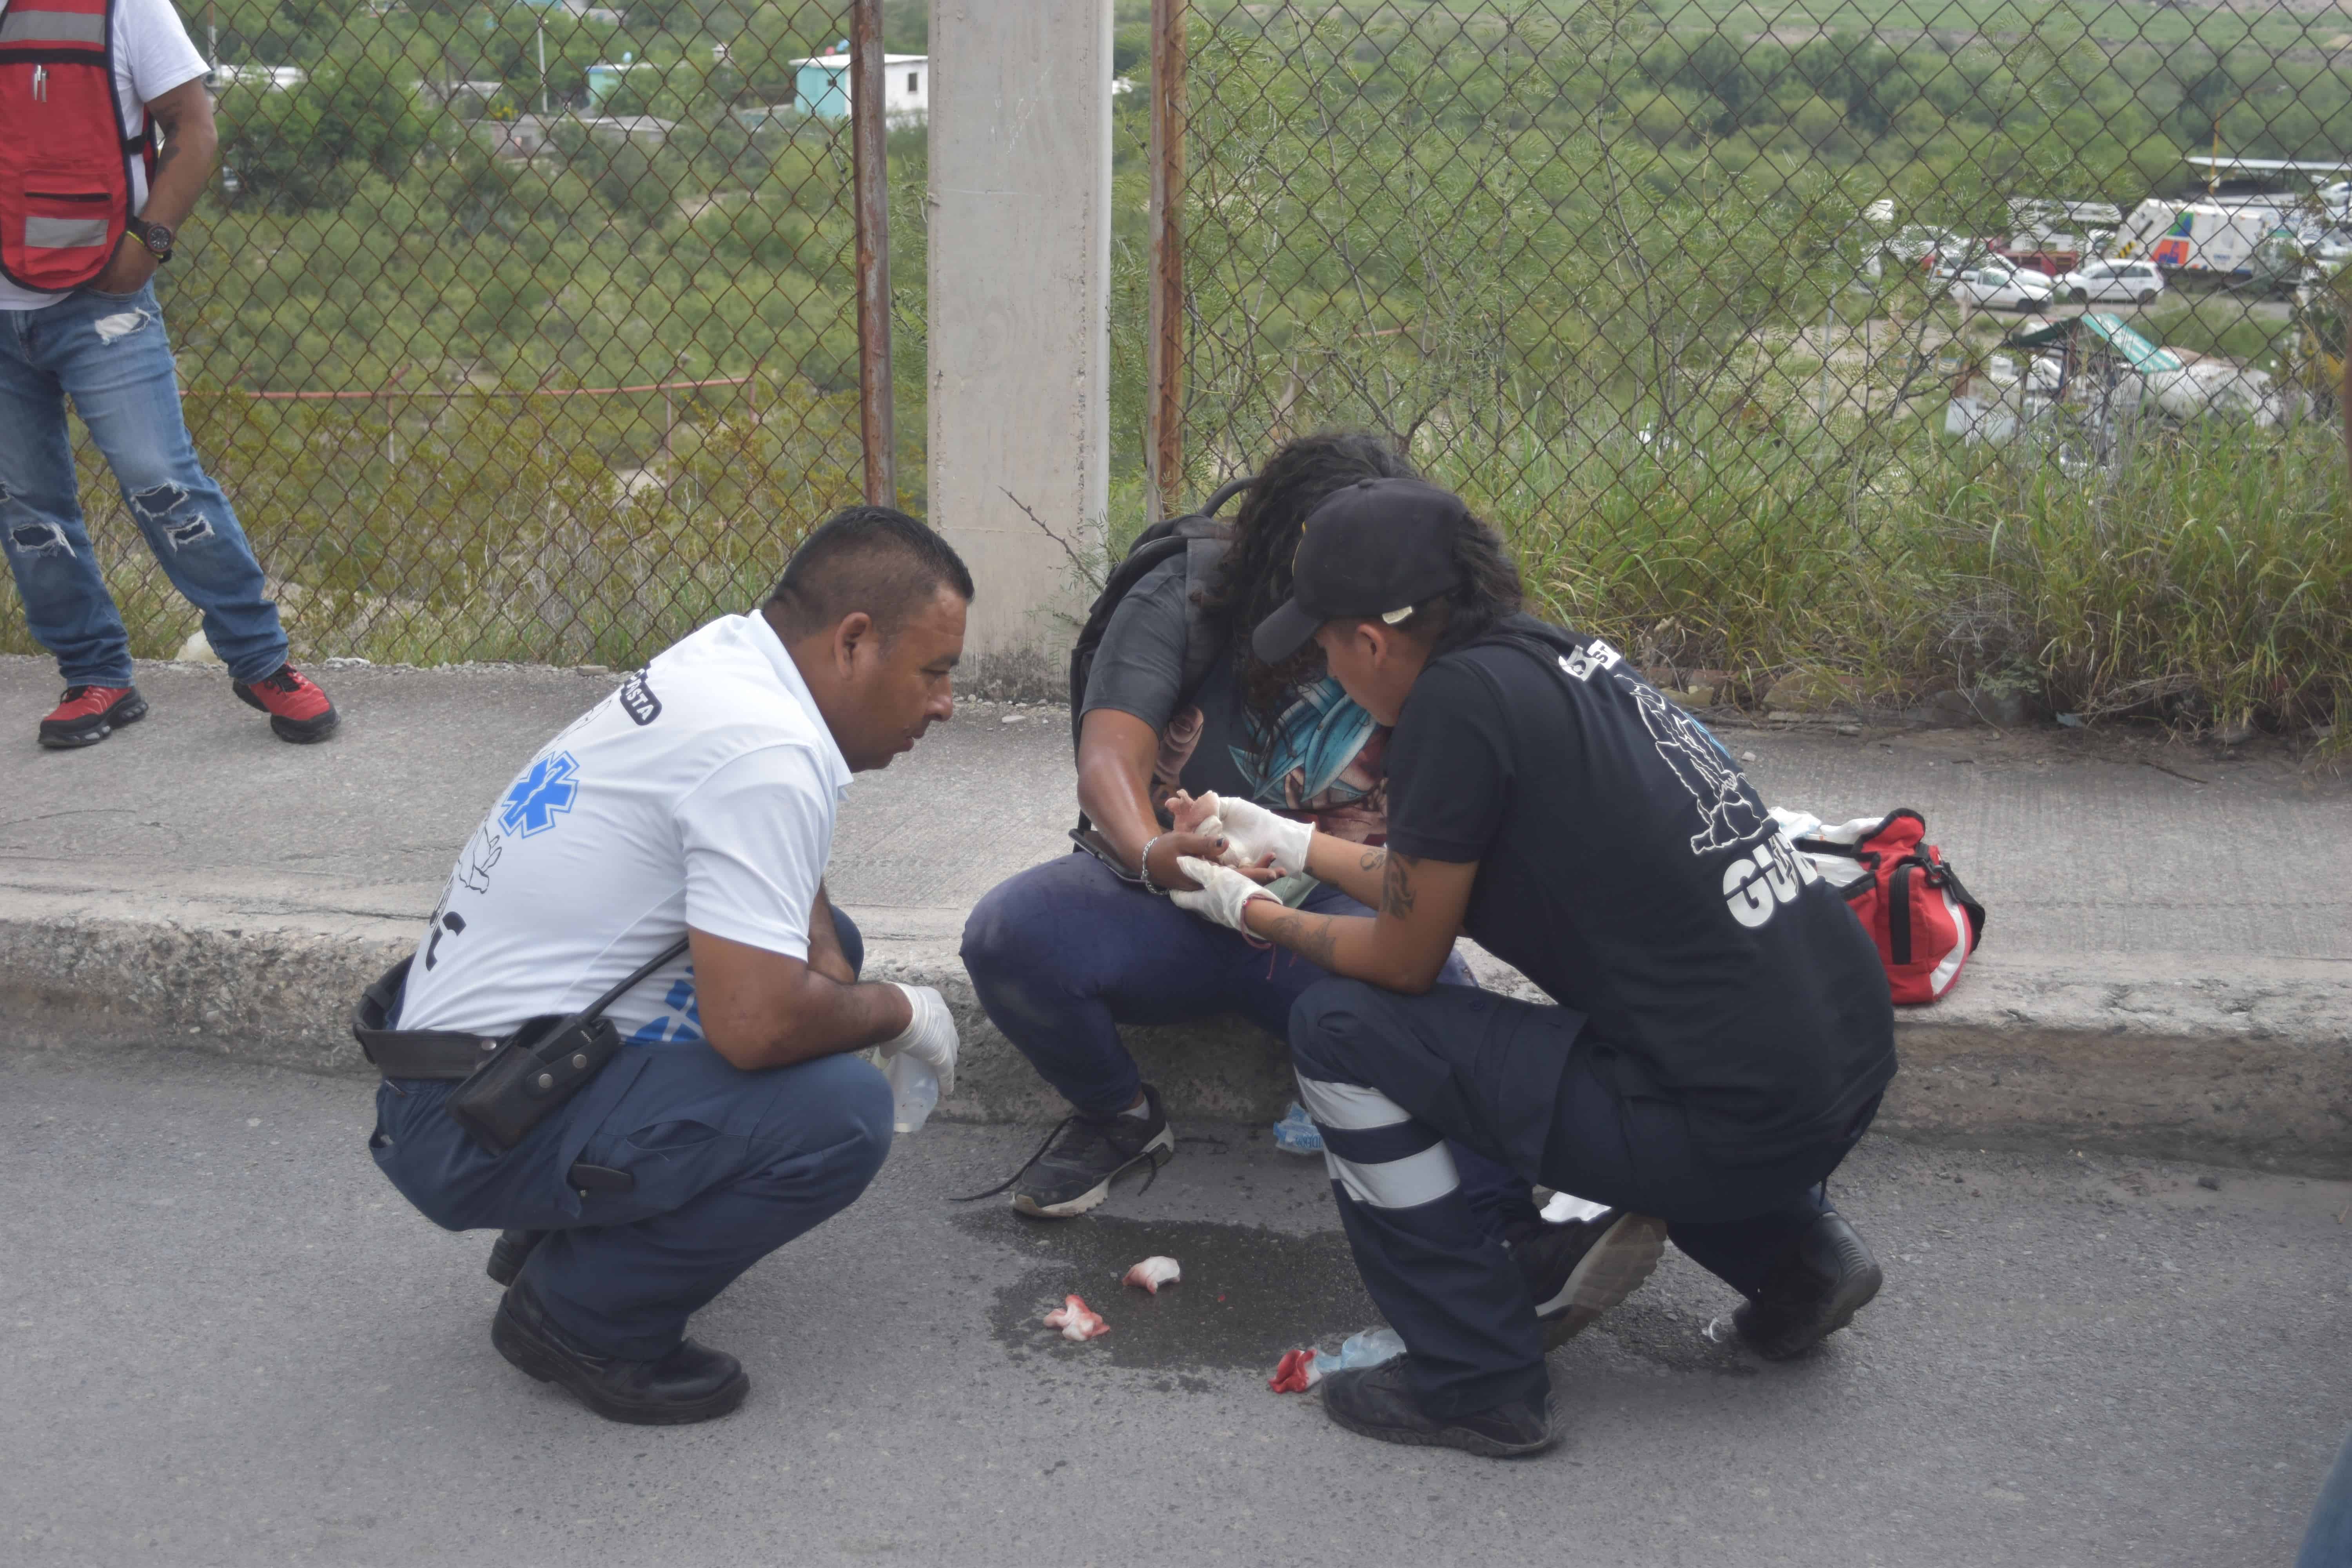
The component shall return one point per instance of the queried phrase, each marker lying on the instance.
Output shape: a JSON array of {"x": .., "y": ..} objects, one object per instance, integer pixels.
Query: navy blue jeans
[
  {"x": 730, "y": 1166},
  {"x": 1063, "y": 953},
  {"x": 109, "y": 353},
  {"x": 1399, "y": 1084}
]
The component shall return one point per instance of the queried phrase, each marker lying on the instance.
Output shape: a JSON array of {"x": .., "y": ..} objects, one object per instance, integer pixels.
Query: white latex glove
[
  {"x": 930, "y": 1036},
  {"x": 1253, "y": 832},
  {"x": 1220, "y": 895}
]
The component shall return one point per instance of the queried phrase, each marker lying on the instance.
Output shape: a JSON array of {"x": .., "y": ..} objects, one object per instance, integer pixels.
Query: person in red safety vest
[{"x": 91, "y": 202}]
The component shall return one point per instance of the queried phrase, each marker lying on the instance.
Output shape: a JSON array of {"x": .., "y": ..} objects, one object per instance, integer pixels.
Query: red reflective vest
[{"x": 65, "y": 153}]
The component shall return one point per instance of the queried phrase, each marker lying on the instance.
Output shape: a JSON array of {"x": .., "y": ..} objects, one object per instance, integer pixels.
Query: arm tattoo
[
  {"x": 1397, "y": 892},
  {"x": 1373, "y": 859},
  {"x": 1314, "y": 938}
]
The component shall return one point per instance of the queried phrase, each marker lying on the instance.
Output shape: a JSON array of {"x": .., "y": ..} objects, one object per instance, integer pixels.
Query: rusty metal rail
[{"x": 869, "y": 143}]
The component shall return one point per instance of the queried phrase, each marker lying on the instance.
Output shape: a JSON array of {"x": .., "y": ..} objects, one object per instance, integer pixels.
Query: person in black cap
[{"x": 1722, "y": 1030}]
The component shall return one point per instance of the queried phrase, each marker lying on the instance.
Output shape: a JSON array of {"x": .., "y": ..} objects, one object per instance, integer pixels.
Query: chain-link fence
[
  {"x": 1816, "y": 352},
  {"x": 521, "y": 332}
]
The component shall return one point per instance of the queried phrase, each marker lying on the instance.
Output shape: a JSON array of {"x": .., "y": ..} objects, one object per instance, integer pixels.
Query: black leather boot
[
  {"x": 1375, "y": 1402},
  {"x": 1813, "y": 1293},
  {"x": 692, "y": 1383}
]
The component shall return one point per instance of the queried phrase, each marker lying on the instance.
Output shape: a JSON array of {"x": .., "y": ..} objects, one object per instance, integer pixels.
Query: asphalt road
[{"x": 224, "y": 1340}]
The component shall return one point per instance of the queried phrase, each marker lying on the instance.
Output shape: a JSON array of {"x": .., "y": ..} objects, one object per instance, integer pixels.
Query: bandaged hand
[
  {"x": 1196, "y": 814},
  {"x": 1253, "y": 832},
  {"x": 1221, "y": 894},
  {"x": 930, "y": 1036}
]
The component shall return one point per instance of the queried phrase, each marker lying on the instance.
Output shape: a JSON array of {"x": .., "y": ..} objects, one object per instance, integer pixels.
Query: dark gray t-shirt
[
  {"x": 1326, "y": 759},
  {"x": 1627, "y": 866}
]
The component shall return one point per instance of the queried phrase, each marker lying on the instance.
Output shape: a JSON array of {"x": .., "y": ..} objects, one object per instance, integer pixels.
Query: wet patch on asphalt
[{"x": 1248, "y": 1293}]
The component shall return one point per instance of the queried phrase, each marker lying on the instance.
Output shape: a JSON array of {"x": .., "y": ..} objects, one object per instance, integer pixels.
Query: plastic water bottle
[
  {"x": 1372, "y": 1347},
  {"x": 1296, "y": 1133},
  {"x": 914, "y": 1091}
]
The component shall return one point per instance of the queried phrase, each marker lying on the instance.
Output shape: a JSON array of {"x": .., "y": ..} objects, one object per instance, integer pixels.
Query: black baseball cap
[{"x": 1372, "y": 551}]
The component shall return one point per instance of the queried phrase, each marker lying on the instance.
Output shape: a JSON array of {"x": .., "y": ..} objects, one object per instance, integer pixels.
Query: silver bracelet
[{"x": 1143, "y": 865}]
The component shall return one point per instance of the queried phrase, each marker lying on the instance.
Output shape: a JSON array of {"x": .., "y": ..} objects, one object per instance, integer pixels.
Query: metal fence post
[
  {"x": 1164, "y": 413},
  {"x": 868, "y": 133}
]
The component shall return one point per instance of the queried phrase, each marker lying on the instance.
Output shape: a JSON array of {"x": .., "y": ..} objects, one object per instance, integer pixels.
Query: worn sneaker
[
  {"x": 298, "y": 710},
  {"x": 86, "y": 715},
  {"x": 1376, "y": 1402},
  {"x": 1074, "y": 1171},
  {"x": 1579, "y": 1269},
  {"x": 1813, "y": 1293},
  {"x": 509, "y": 1252}
]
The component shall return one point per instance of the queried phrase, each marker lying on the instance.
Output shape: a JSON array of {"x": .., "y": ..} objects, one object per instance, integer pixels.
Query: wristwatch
[{"x": 156, "y": 236}]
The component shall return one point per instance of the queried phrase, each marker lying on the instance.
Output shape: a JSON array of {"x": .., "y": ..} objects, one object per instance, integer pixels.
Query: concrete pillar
[{"x": 1020, "y": 319}]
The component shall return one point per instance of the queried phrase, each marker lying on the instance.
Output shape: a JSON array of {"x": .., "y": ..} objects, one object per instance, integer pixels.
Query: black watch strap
[{"x": 157, "y": 238}]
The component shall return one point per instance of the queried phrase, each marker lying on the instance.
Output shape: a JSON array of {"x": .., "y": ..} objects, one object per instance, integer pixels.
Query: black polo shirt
[{"x": 1627, "y": 866}]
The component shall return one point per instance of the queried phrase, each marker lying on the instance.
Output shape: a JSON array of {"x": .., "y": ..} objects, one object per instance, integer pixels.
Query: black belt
[
  {"x": 414, "y": 1053},
  {"x": 505, "y": 1085},
  {"x": 417, "y": 1053}
]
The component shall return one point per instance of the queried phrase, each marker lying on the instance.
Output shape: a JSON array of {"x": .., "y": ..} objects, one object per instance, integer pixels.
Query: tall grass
[{"x": 2207, "y": 579}]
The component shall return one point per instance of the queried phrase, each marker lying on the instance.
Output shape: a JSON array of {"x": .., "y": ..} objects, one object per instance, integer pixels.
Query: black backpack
[{"x": 1201, "y": 539}]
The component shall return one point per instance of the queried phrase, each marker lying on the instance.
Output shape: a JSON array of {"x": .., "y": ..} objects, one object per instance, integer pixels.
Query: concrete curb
[{"x": 2251, "y": 1068}]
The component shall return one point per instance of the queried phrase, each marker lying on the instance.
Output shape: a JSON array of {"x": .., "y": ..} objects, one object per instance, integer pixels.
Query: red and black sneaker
[
  {"x": 298, "y": 710},
  {"x": 86, "y": 715}
]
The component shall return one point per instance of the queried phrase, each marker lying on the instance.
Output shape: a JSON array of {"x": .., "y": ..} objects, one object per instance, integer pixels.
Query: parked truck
[
  {"x": 2213, "y": 239},
  {"x": 2053, "y": 236}
]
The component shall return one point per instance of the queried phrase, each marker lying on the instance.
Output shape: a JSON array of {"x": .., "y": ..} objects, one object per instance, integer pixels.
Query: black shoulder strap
[
  {"x": 1202, "y": 552},
  {"x": 596, "y": 1010}
]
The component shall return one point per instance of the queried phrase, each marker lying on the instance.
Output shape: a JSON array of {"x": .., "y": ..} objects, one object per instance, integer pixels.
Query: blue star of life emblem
[{"x": 530, "y": 807}]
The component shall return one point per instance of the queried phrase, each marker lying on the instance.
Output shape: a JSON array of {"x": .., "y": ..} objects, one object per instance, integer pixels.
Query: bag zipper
[{"x": 69, "y": 195}]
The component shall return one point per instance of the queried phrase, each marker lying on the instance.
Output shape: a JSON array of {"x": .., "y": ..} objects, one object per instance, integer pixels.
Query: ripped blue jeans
[{"x": 110, "y": 355}]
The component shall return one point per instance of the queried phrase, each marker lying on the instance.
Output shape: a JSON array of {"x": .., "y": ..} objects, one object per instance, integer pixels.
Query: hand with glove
[
  {"x": 1256, "y": 836},
  {"x": 929, "y": 1035},
  {"x": 1221, "y": 895}
]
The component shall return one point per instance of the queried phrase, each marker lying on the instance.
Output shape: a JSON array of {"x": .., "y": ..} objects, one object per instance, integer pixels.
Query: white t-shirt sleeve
[
  {"x": 757, "y": 834},
  {"x": 153, "y": 53}
]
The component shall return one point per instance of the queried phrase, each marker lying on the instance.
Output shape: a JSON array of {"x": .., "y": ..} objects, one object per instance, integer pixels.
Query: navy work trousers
[
  {"x": 1391, "y": 1079},
  {"x": 729, "y": 1166}
]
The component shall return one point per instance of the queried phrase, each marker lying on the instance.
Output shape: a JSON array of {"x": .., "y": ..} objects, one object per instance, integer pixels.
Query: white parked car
[
  {"x": 1919, "y": 243},
  {"x": 2139, "y": 282},
  {"x": 1996, "y": 286}
]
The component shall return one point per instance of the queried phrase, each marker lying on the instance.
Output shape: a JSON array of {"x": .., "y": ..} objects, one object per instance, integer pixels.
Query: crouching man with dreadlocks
[{"x": 1723, "y": 1030}]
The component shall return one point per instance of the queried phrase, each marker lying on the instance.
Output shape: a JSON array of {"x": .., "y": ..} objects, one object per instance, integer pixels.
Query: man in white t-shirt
[
  {"x": 103, "y": 345},
  {"x": 694, "y": 802}
]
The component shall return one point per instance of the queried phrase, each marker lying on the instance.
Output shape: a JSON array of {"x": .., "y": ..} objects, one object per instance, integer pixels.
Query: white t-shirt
[
  {"x": 152, "y": 55},
  {"x": 701, "y": 792}
]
